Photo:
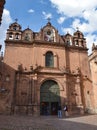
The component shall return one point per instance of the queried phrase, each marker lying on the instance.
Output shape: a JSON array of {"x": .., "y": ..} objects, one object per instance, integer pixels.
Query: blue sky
[{"x": 65, "y": 16}]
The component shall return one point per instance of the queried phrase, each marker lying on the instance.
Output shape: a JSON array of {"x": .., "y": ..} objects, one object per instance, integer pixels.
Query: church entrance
[{"x": 49, "y": 98}]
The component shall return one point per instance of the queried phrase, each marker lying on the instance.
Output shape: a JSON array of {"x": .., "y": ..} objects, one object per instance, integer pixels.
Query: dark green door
[{"x": 49, "y": 97}]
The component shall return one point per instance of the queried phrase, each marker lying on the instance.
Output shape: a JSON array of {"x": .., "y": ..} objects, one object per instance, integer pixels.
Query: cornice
[{"x": 40, "y": 43}]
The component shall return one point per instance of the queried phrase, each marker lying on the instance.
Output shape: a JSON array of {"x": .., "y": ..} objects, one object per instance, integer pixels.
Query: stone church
[{"x": 41, "y": 70}]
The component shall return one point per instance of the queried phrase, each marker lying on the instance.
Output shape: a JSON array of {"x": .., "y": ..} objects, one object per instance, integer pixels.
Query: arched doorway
[{"x": 49, "y": 98}]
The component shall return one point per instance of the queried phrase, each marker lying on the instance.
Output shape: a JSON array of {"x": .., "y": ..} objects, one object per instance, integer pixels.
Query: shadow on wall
[{"x": 7, "y": 75}]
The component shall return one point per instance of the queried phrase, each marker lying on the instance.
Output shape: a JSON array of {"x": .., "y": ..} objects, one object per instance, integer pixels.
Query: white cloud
[
  {"x": 67, "y": 30},
  {"x": 43, "y": 2},
  {"x": 74, "y": 8},
  {"x": 90, "y": 40},
  {"x": 61, "y": 20},
  {"x": 46, "y": 15},
  {"x": 89, "y": 24},
  {"x": 84, "y": 14},
  {"x": 6, "y": 20},
  {"x": 30, "y": 11}
]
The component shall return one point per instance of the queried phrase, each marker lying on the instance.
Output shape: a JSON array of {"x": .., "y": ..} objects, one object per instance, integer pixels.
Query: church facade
[{"x": 41, "y": 70}]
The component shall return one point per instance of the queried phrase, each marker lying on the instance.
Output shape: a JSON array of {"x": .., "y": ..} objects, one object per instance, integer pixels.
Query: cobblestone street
[{"x": 48, "y": 123}]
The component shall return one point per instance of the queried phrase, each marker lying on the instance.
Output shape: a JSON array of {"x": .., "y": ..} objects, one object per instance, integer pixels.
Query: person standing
[
  {"x": 59, "y": 111},
  {"x": 66, "y": 110}
]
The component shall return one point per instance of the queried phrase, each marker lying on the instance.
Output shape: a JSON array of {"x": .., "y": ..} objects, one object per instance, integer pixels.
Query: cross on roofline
[
  {"x": 77, "y": 28},
  {"x": 48, "y": 19},
  {"x": 16, "y": 20},
  {"x": 67, "y": 32}
]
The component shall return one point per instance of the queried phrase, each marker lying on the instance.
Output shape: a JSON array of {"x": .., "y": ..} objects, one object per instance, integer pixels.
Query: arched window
[
  {"x": 17, "y": 36},
  {"x": 10, "y": 35},
  {"x": 49, "y": 59}
]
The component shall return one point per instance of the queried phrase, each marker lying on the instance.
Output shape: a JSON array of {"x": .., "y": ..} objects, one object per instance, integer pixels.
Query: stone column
[
  {"x": 35, "y": 106},
  {"x": 78, "y": 95},
  {"x": 55, "y": 61},
  {"x": 43, "y": 60}
]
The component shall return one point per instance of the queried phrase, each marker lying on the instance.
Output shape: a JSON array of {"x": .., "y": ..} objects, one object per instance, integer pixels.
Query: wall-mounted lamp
[{"x": 3, "y": 90}]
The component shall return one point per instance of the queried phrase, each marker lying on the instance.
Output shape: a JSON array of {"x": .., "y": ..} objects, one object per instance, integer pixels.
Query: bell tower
[
  {"x": 14, "y": 32},
  {"x": 79, "y": 39}
]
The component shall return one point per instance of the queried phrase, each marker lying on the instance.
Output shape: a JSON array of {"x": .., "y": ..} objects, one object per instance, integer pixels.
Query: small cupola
[
  {"x": 94, "y": 47},
  {"x": 27, "y": 35},
  {"x": 68, "y": 39}
]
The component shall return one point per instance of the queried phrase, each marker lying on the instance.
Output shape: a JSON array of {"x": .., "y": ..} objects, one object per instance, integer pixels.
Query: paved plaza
[{"x": 88, "y": 122}]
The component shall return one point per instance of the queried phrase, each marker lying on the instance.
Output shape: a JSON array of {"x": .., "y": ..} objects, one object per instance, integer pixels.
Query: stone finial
[
  {"x": 20, "y": 67},
  {"x": 78, "y": 70},
  {"x": 93, "y": 46}
]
